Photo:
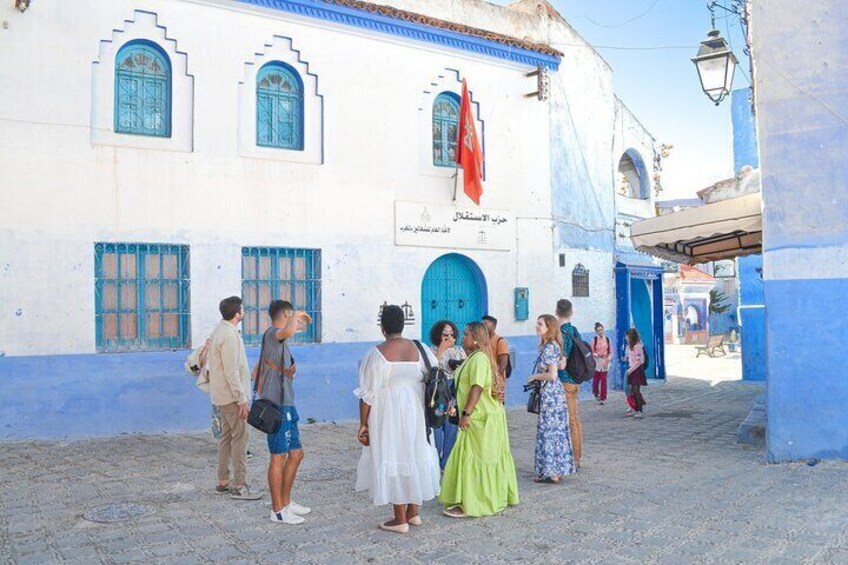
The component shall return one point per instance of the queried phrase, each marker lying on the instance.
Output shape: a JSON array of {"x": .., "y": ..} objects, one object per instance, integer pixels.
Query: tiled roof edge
[{"x": 385, "y": 19}]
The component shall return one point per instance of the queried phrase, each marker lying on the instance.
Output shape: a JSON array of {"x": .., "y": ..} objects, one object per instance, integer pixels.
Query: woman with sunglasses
[{"x": 450, "y": 355}]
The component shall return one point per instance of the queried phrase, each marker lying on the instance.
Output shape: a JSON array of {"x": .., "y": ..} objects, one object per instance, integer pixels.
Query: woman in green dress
[{"x": 480, "y": 473}]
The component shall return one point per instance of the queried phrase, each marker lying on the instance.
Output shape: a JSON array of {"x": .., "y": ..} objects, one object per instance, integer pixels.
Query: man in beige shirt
[{"x": 230, "y": 391}]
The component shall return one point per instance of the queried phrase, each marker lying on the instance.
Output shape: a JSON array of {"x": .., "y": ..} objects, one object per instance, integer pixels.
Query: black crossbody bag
[
  {"x": 534, "y": 401},
  {"x": 265, "y": 415}
]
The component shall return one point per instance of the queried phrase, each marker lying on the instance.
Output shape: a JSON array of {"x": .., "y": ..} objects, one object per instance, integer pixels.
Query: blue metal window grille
[
  {"x": 445, "y": 129},
  {"x": 580, "y": 281},
  {"x": 279, "y": 107},
  {"x": 272, "y": 273},
  {"x": 141, "y": 296},
  {"x": 142, "y": 90}
]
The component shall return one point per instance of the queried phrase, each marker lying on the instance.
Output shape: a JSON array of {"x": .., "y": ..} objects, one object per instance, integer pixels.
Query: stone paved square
[{"x": 672, "y": 488}]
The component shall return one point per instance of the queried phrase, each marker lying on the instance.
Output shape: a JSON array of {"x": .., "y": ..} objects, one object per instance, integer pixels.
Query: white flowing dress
[{"x": 399, "y": 467}]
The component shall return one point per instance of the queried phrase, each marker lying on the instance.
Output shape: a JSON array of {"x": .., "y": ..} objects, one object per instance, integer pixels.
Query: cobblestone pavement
[{"x": 672, "y": 488}]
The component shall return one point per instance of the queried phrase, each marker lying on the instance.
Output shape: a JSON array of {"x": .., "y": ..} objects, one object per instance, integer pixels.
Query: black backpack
[
  {"x": 581, "y": 363},
  {"x": 437, "y": 392}
]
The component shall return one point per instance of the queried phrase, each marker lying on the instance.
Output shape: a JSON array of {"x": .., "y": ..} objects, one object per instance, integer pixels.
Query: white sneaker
[
  {"x": 639, "y": 415},
  {"x": 286, "y": 516},
  {"x": 298, "y": 509}
]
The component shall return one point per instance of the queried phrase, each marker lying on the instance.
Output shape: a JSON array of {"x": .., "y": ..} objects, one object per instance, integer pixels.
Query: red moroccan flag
[{"x": 469, "y": 155}]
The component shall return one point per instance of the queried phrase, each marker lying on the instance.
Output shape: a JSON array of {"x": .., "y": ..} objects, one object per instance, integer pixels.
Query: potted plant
[{"x": 733, "y": 341}]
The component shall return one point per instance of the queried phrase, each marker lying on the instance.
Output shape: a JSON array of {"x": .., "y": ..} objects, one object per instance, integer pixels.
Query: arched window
[
  {"x": 580, "y": 281},
  {"x": 445, "y": 129},
  {"x": 633, "y": 176},
  {"x": 143, "y": 90},
  {"x": 279, "y": 107}
]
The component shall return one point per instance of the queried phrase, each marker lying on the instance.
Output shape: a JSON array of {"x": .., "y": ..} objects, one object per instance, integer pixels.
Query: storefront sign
[{"x": 431, "y": 225}]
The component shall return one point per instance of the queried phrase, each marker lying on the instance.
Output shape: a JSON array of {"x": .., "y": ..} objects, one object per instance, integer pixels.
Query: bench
[{"x": 714, "y": 344}]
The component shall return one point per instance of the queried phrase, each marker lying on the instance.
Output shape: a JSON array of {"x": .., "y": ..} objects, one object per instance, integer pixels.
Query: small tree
[{"x": 719, "y": 302}]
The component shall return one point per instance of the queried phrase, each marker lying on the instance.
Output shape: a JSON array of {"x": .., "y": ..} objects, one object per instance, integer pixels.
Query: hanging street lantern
[{"x": 716, "y": 66}]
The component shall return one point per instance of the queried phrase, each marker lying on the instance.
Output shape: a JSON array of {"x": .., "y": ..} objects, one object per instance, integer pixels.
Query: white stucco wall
[{"x": 61, "y": 193}]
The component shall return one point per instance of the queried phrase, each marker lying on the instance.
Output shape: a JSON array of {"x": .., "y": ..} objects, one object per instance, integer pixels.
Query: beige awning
[{"x": 721, "y": 230}]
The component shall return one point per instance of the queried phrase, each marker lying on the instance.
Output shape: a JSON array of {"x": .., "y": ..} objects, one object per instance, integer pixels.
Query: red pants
[{"x": 599, "y": 385}]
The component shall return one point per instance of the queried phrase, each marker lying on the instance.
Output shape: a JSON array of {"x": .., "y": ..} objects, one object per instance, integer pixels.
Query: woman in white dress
[{"x": 398, "y": 466}]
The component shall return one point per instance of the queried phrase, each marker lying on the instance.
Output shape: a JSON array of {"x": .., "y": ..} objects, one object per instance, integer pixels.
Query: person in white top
[{"x": 398, "y": 466}]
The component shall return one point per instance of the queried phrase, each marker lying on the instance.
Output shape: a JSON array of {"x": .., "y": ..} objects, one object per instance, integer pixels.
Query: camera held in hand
[{"x": 532, "y": 386}]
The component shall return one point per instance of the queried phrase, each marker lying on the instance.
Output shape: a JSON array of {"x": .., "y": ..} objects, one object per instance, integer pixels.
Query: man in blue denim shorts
[{"x": 276, "y": 370}]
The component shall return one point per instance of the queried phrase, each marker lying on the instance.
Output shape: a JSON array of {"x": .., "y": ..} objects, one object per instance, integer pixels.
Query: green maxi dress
[{"x": 480, "y": 473}]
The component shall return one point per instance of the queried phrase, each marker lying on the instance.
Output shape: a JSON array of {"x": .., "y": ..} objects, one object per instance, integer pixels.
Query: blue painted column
[
  {"x": 801, "y": 89},
  {"x": 752, "y": 318},
  {"x": 659, "y": 332},
  {"x": 752, "y": 312},
  {"x": 622, "y": 320}
]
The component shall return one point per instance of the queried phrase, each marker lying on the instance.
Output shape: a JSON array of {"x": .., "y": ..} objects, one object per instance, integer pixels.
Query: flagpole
[{"x": 455, "y": 180}]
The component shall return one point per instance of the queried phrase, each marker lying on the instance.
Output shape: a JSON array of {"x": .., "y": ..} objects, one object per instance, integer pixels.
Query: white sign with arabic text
[{"x": 433, "y": 225}]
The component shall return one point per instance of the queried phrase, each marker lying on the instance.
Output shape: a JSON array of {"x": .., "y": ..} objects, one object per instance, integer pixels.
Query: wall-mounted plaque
[{"x": 452, "y": 227}]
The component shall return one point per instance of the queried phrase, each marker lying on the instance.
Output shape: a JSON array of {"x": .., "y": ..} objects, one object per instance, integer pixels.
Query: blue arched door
[
  {"x": 453, "y": 289},
  {"x": 641, "y": 310}
]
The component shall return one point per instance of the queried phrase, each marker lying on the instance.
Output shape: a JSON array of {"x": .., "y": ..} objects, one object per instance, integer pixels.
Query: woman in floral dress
[{"x": 554, "y": 456}]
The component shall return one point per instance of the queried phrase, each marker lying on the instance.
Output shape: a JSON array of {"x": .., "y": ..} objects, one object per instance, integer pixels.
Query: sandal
[
  {"x": 415, "y": 520},
  {"x": 546, "y": 480},
  {"x": 455, "y": 512}
]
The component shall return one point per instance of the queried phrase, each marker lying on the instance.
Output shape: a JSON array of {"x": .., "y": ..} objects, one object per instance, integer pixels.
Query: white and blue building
[
  {"x": 160, "y": 155},
  {"x": 638, "y": 277},
  {"x": 800, "y": 84}
]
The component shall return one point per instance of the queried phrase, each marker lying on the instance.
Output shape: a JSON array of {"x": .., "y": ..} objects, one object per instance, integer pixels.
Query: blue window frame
[
  {"x": 445, "y": 129},
  {"x": 143, "y": 90},
  {"x": 272, "y": 273},
  {"x": 279, "y": 107},
  {"x": 141, "y": 296}
]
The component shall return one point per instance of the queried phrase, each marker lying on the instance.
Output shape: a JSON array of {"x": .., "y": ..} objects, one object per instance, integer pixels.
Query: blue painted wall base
[
  {"x": 78, "y": 396},
  {"x": 807, "y": 388},
  {"x": 99, "y": 395}
]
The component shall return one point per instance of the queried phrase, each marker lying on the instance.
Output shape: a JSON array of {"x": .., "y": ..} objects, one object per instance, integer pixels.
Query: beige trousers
[
  {"x": 232, "y": 446},
  {"x": 574, "y": 425}
]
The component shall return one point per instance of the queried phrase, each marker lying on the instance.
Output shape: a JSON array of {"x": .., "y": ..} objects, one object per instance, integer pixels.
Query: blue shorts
[{"x": 287, "y": 437}]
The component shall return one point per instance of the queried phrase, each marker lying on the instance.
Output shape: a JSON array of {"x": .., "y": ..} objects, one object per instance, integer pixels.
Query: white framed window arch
[
  {"x": 163, "y": 118},
  {"x": 433, "y": 122},
  {"x": 279, "y": 124}
]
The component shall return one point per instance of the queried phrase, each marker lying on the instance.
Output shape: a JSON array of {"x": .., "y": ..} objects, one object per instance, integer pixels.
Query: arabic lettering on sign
[
  {"x": 434, "y": 225},
  {"x": 424, "y": 229},
  {"x": 495, "y": 219}
]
